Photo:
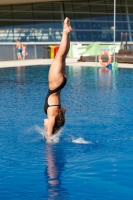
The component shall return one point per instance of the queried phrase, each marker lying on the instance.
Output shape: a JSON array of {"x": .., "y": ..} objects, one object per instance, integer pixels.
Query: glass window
[
  {"x": 47, "y": 6},
  {"x": 131, "y": 26},
  {"x": 44, "y": 36},
  {"x": 22, "y": 15},
  {"x": 111, "y": 29},
  {"x": 118, "y": 36},
  {"x": 118, "y": 9},
  {"x": 23, "y": 11},
  {"x": 22, "y": 24},
  {"x": 43, "y": 15},
  {"x": 23, "y": 31},
  {"x": 5, "y": 8},
  {"x": 129, "y": 2},
  {"x": 119, "y": 26},
  {"x": 98, "y": 17},
  {"x": 97, "y": 9},
  {"x": 44, "y": 25},
  {"x": 44, "y": 31},
  {"x": 83, "y": 25},
  {"x": 87, "y": 17},
  {"x": 124, "y": 18},
  {"x": 58, "y": 16},
  {"x": 100, "y": 25},
  {"x": 22, "y": 7},
  {"x": 131, "y": 18},
  {"x": 57, "y": 6},
  {"x": 109, "y": 2},
  {"x": 81, "y": 11},
  {"x": 5, "y": 15},
  {"x": 119, "y": 17},
  {"x": 67, "y": 6},
  {"x": 6, "y": 31},
  {"x": 57, "y": 10},
  {"x": 123, "y": 2},
  {"x": 58, "y": 24},
  {"x": 6, "y": 25},
  {"x": 58, "y": 35},
  {"x": 5, "y": 12},
  {"x": 84, "y": 36},
  {"x": 79, "y": 1},
  {"x": 110, "y": 9},
  {"x": 97, "y": 35},
  {"x": 95, "y": 2},
  {"x": 123, "y": 9},
  {"x": 125, "y": 26},
  {"x": 81, "y": 7},
  {"x": 81, "y": 16},
  {"x": 118, "y": 2},
  {"x": 104, "y": 35},
  {"x": 73, "y": 36}
]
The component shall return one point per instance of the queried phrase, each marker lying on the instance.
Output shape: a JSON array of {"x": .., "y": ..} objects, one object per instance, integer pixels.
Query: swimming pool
[{"x": 93, "y": 158}]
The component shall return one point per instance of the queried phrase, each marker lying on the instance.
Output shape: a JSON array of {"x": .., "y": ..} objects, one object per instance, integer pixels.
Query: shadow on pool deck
[{"x": 69, "y": 61}]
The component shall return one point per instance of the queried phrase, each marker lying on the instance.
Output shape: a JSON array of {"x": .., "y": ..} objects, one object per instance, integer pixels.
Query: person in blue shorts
[{"x": 19, "y": 49}]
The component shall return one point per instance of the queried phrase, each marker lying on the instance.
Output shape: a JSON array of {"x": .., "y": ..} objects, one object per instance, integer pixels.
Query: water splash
[
  {"x": 53, "y": 139},
  {"x": 41, "y": 131},
  {"x": 81, "y": 141}
]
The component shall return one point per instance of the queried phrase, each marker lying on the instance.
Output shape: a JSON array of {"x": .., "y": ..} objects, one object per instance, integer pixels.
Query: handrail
[{"x": 126, "y": 38}]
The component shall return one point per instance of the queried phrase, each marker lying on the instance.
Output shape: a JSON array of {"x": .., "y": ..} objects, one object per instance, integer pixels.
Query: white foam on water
[
  {"x": 41, "y": 131},
  {"x": 81, "y": 141},
  {"x": 53, "y": 139}
]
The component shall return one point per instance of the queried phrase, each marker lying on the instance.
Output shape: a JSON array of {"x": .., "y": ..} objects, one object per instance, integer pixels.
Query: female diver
[{"x": 57, "y": 80}]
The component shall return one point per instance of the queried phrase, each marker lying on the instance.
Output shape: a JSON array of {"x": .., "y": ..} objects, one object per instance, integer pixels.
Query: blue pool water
[{"x": 92, "y": 159}]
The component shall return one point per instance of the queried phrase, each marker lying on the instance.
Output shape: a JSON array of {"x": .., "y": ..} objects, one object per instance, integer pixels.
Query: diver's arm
[{"x": 50, "y": 126}]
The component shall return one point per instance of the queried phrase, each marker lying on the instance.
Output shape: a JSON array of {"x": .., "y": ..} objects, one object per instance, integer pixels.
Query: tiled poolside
[{"x": 69, "y": 61}]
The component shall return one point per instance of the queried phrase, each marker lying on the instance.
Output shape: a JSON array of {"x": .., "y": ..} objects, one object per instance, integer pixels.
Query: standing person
[
  {"x": 24, "y": 52},
  {"x": 57, "y": 80},
  {"x": 19, "y": 49}
]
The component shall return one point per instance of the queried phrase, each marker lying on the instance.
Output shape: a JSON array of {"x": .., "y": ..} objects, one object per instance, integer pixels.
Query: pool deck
[{"x": 69, "y": 61}]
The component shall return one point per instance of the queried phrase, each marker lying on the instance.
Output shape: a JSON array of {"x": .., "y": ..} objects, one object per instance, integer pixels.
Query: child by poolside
[{"x": 24, "y": 53}]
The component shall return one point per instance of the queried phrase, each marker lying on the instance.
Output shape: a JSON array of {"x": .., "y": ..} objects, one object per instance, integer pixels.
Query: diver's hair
[{"x": 60, "y": 120}]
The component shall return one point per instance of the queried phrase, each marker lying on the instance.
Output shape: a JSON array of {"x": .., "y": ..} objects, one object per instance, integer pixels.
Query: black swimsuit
[{"x": 46, "y": 105}]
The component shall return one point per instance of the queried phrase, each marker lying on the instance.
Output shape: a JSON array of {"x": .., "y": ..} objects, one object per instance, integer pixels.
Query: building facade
[{"x": 40, "y": 23}]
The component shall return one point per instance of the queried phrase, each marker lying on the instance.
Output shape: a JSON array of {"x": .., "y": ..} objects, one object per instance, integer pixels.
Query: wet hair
[{"x": 60, "y": 120}]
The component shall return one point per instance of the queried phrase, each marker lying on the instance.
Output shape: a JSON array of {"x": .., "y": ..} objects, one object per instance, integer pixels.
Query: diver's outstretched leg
[
  {"x": 65, "y": 41},
  {"x": 58, "y": 66}
]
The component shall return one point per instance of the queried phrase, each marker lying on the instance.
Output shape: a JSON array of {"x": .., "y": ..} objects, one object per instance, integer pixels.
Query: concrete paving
[{"x": 69, "y": 62}]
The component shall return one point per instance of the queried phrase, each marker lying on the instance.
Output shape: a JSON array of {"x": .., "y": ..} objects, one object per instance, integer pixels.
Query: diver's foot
[{"x": 67, "y": 27}]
